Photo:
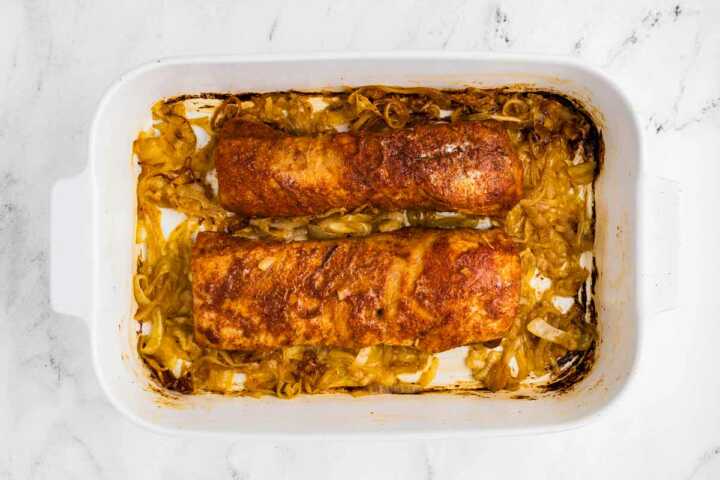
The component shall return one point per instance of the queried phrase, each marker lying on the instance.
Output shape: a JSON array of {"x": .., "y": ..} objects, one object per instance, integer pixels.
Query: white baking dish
[{"x": 93, "y": 223}]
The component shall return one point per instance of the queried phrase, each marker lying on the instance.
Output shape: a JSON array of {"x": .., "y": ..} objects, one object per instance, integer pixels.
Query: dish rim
[{"x": 91, "y": 312}]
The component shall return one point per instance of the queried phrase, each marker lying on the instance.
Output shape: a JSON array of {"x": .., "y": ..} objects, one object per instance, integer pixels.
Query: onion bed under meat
[{"x": 553, "y": 223}]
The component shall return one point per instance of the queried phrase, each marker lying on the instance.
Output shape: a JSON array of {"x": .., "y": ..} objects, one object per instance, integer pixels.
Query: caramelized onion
[{"x": 553, "y": 224}]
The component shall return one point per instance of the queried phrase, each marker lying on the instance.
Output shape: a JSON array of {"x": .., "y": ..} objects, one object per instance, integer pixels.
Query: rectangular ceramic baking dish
[{"x": 93, "y": 224}]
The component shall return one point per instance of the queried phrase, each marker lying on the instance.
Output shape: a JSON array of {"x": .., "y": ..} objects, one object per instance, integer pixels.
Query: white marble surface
[{"x": 57, "y": 58}]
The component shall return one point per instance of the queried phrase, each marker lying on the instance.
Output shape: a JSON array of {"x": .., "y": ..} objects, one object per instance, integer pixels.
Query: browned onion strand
[{"x": 552, "y": 222}]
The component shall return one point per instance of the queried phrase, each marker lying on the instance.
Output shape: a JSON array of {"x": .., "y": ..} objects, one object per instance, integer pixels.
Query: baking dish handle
[
  {"x": 70, "y": 245},
  {"x": 661, "y": 244}
]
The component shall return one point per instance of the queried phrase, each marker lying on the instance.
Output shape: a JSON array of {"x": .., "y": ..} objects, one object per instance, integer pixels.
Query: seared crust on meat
[
  {"x": 469, "y": 167},
  {"x": 431, "y": 289}
]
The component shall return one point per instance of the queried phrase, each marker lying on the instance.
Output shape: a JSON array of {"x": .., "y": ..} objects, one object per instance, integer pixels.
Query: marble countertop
[{"x": 57, "y": 59}]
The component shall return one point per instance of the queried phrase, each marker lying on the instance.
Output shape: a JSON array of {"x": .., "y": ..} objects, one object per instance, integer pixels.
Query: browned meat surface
[
  {"x": 469, "y": 167},
  {"x": 432, "y": 289}
]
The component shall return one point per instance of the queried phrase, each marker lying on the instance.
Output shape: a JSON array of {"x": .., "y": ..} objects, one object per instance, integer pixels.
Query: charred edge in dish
[
  {"x": 482, "y": 391},
  {"x": 582, "y": 362},
  {"x": 167, "y": 390}
]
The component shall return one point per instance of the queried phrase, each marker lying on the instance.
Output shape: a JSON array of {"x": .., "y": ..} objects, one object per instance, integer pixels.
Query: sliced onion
[{"x": 540, "y": 328}]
